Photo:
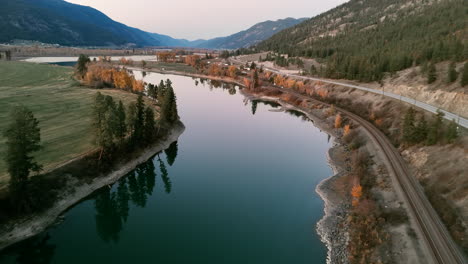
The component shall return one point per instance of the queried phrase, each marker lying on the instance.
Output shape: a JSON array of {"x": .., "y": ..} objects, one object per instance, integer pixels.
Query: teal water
[{"x": 237, "y": 187}]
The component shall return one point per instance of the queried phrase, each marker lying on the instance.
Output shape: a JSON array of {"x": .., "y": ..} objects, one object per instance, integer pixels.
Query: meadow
[{"x": 62, "y": 106}]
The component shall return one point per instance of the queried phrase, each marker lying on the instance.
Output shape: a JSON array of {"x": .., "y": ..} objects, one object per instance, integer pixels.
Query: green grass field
[{"x": 61, "y": 105}]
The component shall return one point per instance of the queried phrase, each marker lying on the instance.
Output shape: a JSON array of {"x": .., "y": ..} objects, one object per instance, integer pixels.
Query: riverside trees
[
  {"x": 23, "y": 138},
  {"x": 115, "y": 127},
  {"x": 169, "y": 113}
]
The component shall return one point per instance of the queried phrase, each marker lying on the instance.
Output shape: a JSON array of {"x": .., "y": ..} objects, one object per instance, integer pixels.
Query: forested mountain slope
[
  {"x": 60, "y": 22},
  {"x": 363, "y": 39}
]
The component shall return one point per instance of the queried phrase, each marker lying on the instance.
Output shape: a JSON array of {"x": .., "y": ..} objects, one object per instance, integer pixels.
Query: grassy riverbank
[{"x": 61, "y": 105}]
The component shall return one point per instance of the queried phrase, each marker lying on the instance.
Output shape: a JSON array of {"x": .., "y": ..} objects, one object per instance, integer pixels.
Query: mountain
[
  {"x": 363, "y": 39},
  {"x": 251, "y": 36},
  {"x": 173, "y": 42},
  {"x": 60, "y": 22},
  {"x": 64, "y": 23}
]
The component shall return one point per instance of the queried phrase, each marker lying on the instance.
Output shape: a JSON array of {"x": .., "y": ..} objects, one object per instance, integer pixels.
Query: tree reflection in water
[
  {"x": 171, "y": 153},
  {"x": 165, "y": 176},
  {"x": 113, "y": 205},
  {"x": 254, "y": 107},
  {"x": 36, "y": 251}
]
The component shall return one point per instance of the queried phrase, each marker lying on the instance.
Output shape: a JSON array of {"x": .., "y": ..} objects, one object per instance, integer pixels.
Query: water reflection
[
  {"x": 254, "y": 107},
  {"x": 108, "y": 219},
  {"x": 113, "y": 205},
  {"x": 165, "y": 176},
  {"x": 215, "y": 84},
  {"x": 36, "y": 251},
  {"x": 171, "y": 153}
]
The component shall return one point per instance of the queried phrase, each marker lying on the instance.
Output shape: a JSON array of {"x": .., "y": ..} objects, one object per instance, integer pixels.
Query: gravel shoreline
[{"x": 35, "y": 224}]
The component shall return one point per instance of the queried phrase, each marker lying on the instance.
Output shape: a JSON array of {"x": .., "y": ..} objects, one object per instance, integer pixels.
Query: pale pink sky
[{"x": 192, "y": 19}]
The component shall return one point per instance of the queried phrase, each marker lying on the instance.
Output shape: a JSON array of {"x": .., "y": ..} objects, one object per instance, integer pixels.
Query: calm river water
[{"x": 238, "y": 187}]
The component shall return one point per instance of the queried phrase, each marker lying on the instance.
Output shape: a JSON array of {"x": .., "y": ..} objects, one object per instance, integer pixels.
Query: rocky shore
[{"x": 32, "y": 225}]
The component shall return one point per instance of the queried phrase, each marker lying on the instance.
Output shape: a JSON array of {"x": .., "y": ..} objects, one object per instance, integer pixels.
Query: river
[{"x": 238, "y": 187}]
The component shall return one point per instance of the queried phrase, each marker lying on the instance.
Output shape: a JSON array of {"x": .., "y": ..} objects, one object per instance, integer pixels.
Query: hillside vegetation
[
  {"x": 63, "y": 108},
  {"x": 363, "y": 39}
]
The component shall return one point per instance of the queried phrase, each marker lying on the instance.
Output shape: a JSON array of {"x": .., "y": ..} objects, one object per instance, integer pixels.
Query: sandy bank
[{"x": 33, "y": 225}]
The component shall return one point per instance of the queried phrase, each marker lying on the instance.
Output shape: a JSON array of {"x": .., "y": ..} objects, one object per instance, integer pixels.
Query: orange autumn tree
[
  {"x": 338, "y": 121},
  {"x": 347, "y": 130},
  {"x": 123, "y": 80},
  {"x": 138, "y": 86},
  {"x": 323, "y": 93},
  {"x": 166, "y": 56},
  {"x": 214, "y": 70},
  {"x": 247, "y": 82},
  {"x": 279, "y": 80},
  {"x": 192, "y": 60},
  {"x": 290, "y": 83},
  {"x": 233, "y": 71},
  {"x": 356, "y": 193}
]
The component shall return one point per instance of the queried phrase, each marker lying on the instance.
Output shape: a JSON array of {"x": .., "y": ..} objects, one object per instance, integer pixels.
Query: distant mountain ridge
[
  {"x": 64, "y": 23},
  {"x": 251, "y": 36}
]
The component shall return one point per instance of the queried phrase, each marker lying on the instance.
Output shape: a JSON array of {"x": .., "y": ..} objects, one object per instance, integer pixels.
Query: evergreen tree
[
  {"x": 161, "y": 91},
  {"x": 452, "y": 73},
  {"x": 255, "y": 79},
  {"x": 140, "y": 119},
  {"x": 409, "y": 128},
  {"x": 421, "y": 130},
  {"x": 431, "y": 74},
  {"x": 22, "y": 139},
  {"x": 99, "y": 118},
  {"x": 121, "y": 126},
  {"x": 434, "y": 133},
  {"x": 150, "y": 125},
  {"x": 152, "y": 91},
  {"x": 131, "y": 118},
  {"x": 82, "y": 65},
  {"x": 169, "y": 105},
  {"x": 464, "y": 79},
  {"x": 452, "y": 132}
]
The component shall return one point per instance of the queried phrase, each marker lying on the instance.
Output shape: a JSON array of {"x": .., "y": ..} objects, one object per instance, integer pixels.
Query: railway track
[{"x": 434, "y": 233}]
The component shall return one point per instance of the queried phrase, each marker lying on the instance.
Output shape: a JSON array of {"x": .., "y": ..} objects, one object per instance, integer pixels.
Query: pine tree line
[{"x": 420, "y": 131}]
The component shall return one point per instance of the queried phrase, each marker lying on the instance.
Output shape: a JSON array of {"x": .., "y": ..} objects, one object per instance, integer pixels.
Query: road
[
  {"x": 448, "y": 115},
  {"x": 433, "y": 233}
]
